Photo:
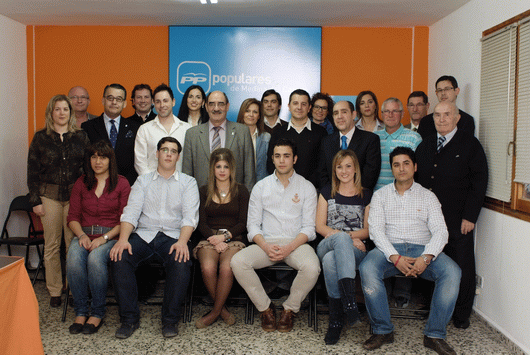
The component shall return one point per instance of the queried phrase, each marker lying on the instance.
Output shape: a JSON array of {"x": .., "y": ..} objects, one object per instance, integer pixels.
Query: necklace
[{"x": 223, "y": 194}]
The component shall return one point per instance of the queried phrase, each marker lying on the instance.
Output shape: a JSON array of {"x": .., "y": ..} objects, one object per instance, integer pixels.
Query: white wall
[
  {"x": 13, "y": 114},
  {"x": 502, "y": 243}
]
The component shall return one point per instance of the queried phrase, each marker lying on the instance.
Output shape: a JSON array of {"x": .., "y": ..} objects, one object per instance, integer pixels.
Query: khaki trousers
[
  {"x": 253, "y": 257},
  {"x": 53, "y": 223}
]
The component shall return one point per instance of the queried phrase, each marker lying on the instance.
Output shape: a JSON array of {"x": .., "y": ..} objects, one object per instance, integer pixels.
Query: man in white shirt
[
  {"x": 164, "y": 125},
  {"x": 281, "y": 220},
  {"x": 408, "y": 229},
  {"x": 157, "y": 223}
]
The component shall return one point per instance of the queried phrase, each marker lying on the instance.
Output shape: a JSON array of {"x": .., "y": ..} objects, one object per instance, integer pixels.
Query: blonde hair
[
  {"x": 221, "y": 154},
  {"x": 339, "y": 158},
  {"x": 72, "y": 127}
]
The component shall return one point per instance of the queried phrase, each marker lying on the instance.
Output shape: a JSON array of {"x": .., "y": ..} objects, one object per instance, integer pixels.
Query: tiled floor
[{"x": 240, "y": 338}]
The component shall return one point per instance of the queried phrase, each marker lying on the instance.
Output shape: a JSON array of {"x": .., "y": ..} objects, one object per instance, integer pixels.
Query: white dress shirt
[
  {"x": 108, "y": 125},
  {"x": 157, "y": 204},
  {"x": 279, "y": 212},
  {"x": 147, "y": 139},
  {"x": 415, "y": 218}
]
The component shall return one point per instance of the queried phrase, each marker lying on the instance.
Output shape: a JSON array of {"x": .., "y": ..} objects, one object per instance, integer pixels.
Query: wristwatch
[
  {"x": 426, "y": 259},
  {"x": 106, "y": 237}
]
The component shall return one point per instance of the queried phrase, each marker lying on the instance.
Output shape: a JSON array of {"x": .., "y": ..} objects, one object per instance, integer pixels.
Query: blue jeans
[
  {"x": 339, "y": 260},
  {"x": 443, "y": 271},
  {"x": 177, "y": 278},
  {"x": 87, "y": 271}
]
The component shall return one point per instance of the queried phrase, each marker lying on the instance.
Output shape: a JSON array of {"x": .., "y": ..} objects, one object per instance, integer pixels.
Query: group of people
[{"x": 240, "y": 196}]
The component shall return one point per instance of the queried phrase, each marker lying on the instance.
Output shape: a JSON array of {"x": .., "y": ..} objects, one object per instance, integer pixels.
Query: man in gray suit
[{"x": 218, "y": 132}]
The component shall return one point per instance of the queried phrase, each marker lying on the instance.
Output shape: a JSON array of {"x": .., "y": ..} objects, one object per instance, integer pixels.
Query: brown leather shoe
[
  {"x": 377, "y": 340},
  {"x": 285, "y": 324},
  {"x": 268, "y": 319},
  {"x": 438, "y": 345}
]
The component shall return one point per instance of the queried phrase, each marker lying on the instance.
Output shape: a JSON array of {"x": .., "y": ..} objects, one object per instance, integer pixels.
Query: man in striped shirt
[
  {"x": 394, "y": 135},
  {"x": 408, "y": 228}
]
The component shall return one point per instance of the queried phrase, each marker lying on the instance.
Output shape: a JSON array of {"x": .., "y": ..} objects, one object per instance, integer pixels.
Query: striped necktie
[
  {"x": 216, "y": 140},
  {"x": 441, "y": 141}
]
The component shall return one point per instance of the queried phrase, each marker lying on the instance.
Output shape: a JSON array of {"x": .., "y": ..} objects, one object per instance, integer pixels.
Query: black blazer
[
  {"x": 366, "y": 146},
  {"x": 458, "y": 175},
  {"x": 124, "y": 149}
]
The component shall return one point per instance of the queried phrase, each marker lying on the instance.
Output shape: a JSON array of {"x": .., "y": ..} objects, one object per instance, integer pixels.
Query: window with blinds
[{"x": 505, "y": 110}]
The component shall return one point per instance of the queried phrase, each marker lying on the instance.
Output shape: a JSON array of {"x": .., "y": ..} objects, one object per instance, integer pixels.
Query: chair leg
[
  {"x": 188, "y": 304},
  {"x": 65, "y": 307},
  {"x": 39, "y": 266}
]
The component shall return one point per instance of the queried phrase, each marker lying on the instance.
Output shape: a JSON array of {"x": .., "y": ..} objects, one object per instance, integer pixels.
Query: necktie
[
  {"x": 344, "y": 143},
  {"x": 113, "y": 133},
  {"x": 441, "y": 141},
  {"x": 216, "y": 140}
]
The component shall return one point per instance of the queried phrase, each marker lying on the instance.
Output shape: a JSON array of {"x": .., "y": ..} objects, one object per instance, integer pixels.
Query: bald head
[
  {"x": 446, "y": 116},
  {"x": 80, "y": 100}
]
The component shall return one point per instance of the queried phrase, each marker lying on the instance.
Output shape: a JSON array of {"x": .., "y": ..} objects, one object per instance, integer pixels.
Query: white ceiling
[{"x": 350, "y": 13}]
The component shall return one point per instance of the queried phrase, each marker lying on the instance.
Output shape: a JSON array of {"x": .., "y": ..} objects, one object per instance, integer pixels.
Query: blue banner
[{"x": 243, "y": 62}]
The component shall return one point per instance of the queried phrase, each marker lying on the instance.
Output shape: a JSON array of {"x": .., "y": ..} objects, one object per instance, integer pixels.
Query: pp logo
[{"x": 193, "y": 73}]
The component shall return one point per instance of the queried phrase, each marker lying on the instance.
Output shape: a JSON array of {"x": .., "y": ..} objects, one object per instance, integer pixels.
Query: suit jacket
[
  {"x": 124, "y": 149},
  {"x": 196, "y": 154},
  {"x": 262, "y": 146},
  {"x": 307, "y": 144},
  {"x": 366, "y": 146},
  {"x": 139, "y": 119},
  {"x": 458, "y": 175},
  {"x": 427, "y": 127}
]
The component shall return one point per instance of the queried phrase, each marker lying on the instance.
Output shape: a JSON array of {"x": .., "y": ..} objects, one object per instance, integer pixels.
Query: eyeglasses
[
  {"x": 167, "y": 151},
  {"x": 320, "y": 108},
  {"x": 80, "y": 98},
  {"x": 118, "y": 99},
  {"x": 419, "y": 105},
  {"x": 393, "y": 112},
  {"x": 444, "y": 90},
  {"x": 213, "y": 104}
]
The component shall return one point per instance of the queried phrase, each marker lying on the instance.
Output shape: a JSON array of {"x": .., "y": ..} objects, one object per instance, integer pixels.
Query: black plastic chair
[{"x": 34, "y": 237}]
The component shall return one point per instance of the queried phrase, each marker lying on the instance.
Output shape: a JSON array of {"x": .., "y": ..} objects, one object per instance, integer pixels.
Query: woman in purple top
[
  {"x": 222, "y": 223},
  {"x": 96, "y": 204},
  {"x": 342, "y": 219}
]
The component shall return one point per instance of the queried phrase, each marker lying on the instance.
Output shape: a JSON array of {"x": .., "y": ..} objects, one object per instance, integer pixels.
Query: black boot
[
  {"x": 347, "y": 296},
  {"x": 335, "y": 321}
]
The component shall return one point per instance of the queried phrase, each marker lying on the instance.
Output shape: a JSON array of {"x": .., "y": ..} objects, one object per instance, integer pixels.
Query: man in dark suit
[
  {"x": 118, "y": 131},
  {"x": 365, "y": 144},
  {"x": 418, "y": 106},
  {"x": 446, "y": 90},
  {"x": 142, "y": 101},
  {"x": 305, "y": 134},
  {"x": 218, "y": 132},
  {"x": 453, "y": 165}
]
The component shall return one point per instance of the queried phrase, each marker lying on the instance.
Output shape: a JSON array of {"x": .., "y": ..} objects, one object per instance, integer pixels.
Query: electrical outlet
[{"x": 479, "y": 281}]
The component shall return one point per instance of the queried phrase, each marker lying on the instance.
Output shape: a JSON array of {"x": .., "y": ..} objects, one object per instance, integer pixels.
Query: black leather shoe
[
  {"x": 55, "y": 301},
  {"x": 126, "y": 330},
  {"x": 76, "y": 328},
  {"x": 377, "y": 340},
  {"x": 170, "y": 330},
  {"x": 438, "y": 345},
  {"x": 91, "y": 328},
  {"x": 461, "y": 324}
]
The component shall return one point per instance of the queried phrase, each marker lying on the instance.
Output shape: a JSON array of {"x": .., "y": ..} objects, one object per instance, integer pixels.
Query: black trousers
[{"x": 461, "y": 248}]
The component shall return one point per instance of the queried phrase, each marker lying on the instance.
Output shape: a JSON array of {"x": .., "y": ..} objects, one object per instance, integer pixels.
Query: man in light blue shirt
[
  {"x": 394, "y": 135},
  {"x": 157, "y": 223},
  {"x": 281, "y": 220}
]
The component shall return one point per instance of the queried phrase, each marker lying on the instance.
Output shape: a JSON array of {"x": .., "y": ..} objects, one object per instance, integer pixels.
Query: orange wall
[
  {"x": 93, "y": 57},
  {"x": 353, "y": 59},
  {"x": 376, "y": 59}
]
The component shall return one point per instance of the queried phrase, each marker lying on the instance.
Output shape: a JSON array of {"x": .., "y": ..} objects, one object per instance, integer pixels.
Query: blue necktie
[
  {"x": 441, "y": 141},
  {"x": 344, "y": 143},
  {"x": 113, "y": 133}
]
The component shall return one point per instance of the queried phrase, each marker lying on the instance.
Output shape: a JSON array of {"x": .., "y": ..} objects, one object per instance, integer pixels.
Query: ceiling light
[
  {"x": 203, "y": 1},
  {"x": 213, "y": 1}
]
